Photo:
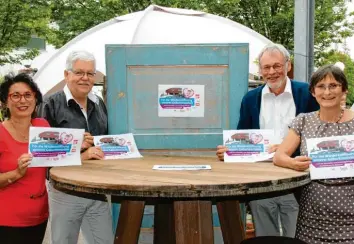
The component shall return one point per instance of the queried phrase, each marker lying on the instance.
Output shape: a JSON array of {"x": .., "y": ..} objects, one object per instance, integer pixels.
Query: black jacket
[{"x": 62, "y": 114}]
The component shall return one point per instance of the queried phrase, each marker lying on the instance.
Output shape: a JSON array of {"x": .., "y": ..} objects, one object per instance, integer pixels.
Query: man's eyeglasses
[
  {"x": 331, "y": 87},
  {"x": 16, "y": 96},
  {"x": 276, "y": 67},
  {"x": 82, "y": 74}
]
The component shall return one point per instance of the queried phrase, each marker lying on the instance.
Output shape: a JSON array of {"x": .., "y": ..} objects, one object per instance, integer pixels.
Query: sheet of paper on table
[
  {"x": 248, "y": 146},
  {"x": 52, "y": 147},
  {"x": 181, "y": 167},
  {"x": 332, "y": 157},
  {"x": 121, "y": 146}
]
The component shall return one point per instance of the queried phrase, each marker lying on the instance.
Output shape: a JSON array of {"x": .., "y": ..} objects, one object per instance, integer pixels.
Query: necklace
[
  {"x": 18, "y": 132},
  {"x": 339, "y": 117}
]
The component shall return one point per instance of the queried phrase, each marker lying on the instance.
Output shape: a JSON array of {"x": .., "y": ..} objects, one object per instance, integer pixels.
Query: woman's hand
[
  {"x": 273, "y": 148},
  {"x": 22, "y": 164},
  {"x": 300, "y": 163},
  {"x": 220, "y": 150},
  {"x": 92, "y": 153}
]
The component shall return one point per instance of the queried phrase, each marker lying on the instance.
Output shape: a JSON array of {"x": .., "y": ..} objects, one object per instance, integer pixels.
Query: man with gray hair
[
  {"x": 77, "y": 107},
  {"x": 273, "y": 106}
]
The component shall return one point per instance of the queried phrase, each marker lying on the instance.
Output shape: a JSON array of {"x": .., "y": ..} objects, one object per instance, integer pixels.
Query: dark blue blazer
[{"x": 251, "y": 104}]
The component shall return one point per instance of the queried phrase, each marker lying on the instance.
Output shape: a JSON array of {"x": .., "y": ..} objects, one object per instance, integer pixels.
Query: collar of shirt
[
  {"x": 287, "y": 89},
  {"x": 69, "y": 96}
]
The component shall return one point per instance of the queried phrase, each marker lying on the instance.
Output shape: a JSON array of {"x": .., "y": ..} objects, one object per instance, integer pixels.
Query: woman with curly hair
[{"x": 23, "y": 195}]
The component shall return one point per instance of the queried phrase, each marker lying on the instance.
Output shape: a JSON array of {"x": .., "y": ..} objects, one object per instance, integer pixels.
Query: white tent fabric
[
  {"x": 42, "y": 58},
  {"x": 154, "y": 25},
  {"x": 37, "y": 62}
]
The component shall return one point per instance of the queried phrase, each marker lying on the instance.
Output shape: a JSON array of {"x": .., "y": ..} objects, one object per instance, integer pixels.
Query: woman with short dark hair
[
  {"x": 326, "y": 212},
  {"x": 23, "y": 195}
]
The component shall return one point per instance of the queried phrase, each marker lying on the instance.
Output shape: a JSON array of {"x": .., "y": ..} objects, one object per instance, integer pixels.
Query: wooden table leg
[
  {"x": 232, "y": 228},
  {"x": 164, "y": 226},
  {"x": 193, "y": 222},
  {"x": 129, "y": 222}
]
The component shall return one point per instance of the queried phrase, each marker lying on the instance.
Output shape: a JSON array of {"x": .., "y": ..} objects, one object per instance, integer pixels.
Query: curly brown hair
[{"x": 11, "y": 79}]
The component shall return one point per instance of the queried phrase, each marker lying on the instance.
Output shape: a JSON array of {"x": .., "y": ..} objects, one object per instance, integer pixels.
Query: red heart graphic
[
  {"x": 188, "y": 92},
  {"x": 120, "y": 141},
  {"x": 256, "y": 138},
  {"x": 66, "y": 138}
]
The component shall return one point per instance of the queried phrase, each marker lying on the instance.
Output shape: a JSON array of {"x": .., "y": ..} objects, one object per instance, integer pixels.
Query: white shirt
[
  {"x": 277, "y": 112},
  {"x": 90, "y": 96}
]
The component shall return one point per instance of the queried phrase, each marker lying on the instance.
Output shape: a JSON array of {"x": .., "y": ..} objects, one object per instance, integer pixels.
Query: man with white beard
[{"x": 273, "y": 106}]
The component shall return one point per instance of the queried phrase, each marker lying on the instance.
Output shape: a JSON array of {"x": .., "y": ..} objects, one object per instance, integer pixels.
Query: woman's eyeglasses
[
  {"x": 331, "y": 87},
  {"x": 16, "y": 96}
]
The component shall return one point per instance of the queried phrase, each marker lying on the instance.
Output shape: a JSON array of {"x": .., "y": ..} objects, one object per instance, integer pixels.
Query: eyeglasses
[
  {"x": 82, "y": 74},
  {"x": 276, "y": 67},
  {"x": 331, "y": 87},
  {"x": 16, "y": 96}
]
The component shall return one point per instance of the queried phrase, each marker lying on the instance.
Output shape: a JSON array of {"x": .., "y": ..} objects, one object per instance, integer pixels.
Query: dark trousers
[{"x": 23, "y": 235}]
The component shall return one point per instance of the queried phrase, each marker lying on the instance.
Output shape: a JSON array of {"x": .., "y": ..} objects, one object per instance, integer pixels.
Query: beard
[{"x": 276, "y": 85}]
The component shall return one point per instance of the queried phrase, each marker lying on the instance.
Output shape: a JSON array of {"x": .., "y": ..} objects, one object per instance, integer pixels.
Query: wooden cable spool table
[{"x": 182, "y": 199}]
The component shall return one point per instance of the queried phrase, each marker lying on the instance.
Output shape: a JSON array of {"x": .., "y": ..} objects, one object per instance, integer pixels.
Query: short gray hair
[
  {"x": 271, "y": 48},
  {"x": 79, "y": 55}
]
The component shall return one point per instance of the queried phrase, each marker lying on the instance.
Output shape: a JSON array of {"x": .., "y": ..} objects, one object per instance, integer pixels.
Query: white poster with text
[
  {"x": 248, "y": 145},
  {"x": 331, "y": 157},
  {"x": 52, "y": 147},
  {"x": 181, "y": 100},
  {"x": 118, "y": 146}
]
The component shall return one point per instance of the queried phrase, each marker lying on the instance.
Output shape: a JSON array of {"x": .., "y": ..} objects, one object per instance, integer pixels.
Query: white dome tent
[
  {"x": 37, "y": 62},
  {"x": 154, "y": 25},
  {"x": 42, "y": 58}
]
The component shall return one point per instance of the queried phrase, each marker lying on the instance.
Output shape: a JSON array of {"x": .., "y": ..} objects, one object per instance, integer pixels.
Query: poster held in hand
[
  {"x": 52, "y": 147},
  {"x": 118, "y": 146}
]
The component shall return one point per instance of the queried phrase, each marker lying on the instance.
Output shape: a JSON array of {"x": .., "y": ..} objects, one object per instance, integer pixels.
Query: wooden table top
[{"x": 136, "y": 178}]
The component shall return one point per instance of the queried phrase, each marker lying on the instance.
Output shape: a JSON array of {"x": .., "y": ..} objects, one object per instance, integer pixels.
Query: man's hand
[
  {"x": 92, "y": 153},
  {"x": 88, "y": 141},
  {"x": 220, "y": 150}
]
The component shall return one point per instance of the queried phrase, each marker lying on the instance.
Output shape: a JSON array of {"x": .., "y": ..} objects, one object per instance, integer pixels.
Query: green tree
[
  {"x": 275, "y": 20},
  {"x": 75, "y": 17},
  {"x": 334, "y": 56},
  {"x": 18, "y": 21},
  {"x": 272, "y": 18}
]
